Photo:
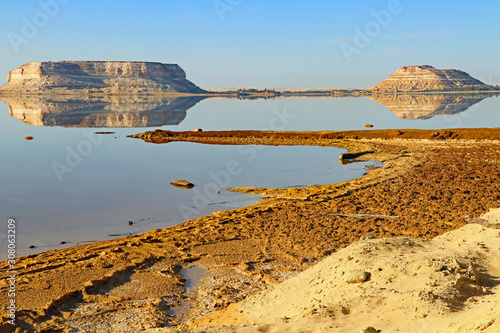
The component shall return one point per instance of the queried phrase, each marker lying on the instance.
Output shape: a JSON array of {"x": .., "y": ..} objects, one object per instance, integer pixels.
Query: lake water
[{"x": 71, "y": 185}]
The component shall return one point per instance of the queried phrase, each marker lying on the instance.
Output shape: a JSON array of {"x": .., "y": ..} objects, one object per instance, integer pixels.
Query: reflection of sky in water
[
  {"x": 124, "y": 179},
  {"x": 317, "y": 114}
]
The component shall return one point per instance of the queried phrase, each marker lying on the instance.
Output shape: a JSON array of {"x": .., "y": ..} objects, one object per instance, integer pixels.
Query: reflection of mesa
[
  {"x": 426, "y": 106},
  {"x": 99, "y": 77},
  {"x": 100, "y": 111}
]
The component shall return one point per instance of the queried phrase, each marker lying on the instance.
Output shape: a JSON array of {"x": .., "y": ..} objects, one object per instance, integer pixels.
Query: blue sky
[{"x": 245, "y": 43}]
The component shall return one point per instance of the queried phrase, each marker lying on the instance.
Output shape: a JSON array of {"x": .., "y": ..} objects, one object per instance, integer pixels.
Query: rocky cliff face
[
  {"x": 98, "y": 77},
  {"x": 422, "y": 106},
  {"x": 104, "y": 111},
  {"x": 428, "y": 78}
]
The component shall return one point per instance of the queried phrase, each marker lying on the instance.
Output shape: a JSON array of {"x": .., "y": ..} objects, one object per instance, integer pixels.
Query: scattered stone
[
  {"x": 29, "y": 138},
  {"x": 356, "y": 276},
  {"x": 367, "y": 125},
  {"x": 243, "y": 266},
  {"x": 32, "y": 247},
  {"x": 198, "y": 130},
  {"x": 369, "y": 329},
  {"x": 63, "y": 242},
  {"x": 182, "y": 183},
  {"x": 395, "y": 134},
  {"x": 369, "y": 235}
]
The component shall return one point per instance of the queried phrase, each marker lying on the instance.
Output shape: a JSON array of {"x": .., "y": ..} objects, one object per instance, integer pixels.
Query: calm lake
[{"x": 71, "y": 185}]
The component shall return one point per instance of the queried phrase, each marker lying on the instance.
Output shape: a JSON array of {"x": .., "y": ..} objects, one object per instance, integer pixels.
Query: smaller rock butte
[{"x": 428, "y": 78}]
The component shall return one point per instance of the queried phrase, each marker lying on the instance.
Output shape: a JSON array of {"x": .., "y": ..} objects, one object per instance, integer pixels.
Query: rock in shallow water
[{"x": 182, "y": 183}]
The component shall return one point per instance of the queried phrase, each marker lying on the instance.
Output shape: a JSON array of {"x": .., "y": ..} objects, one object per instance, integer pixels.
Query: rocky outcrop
[
  {"x": 99, "y": 77},
  {"x": 428, "y": 78},
  {"x": 420, "y": 106},
  {"x": 104, "y": 111}
]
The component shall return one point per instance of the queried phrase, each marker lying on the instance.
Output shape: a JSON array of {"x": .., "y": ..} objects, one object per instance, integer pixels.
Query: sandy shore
[{"x": 429, "y": 185}]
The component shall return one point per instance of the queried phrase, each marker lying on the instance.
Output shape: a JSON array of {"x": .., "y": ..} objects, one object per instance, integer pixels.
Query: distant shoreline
[
  {"x": 132, "y": 78},
  {"x": 268, "y": 93}
]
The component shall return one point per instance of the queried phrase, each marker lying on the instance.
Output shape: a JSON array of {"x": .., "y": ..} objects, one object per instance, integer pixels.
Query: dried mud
[{"x": 424, "y": 189}]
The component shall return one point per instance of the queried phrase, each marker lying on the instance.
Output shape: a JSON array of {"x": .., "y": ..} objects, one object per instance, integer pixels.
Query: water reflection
[
  {"x": 222, "y": 113},
  {"x": 100, "y": 111},
  {"x": 427, "y": 106}
]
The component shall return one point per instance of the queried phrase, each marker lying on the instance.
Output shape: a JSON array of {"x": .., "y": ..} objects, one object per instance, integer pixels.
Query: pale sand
[{"x": 446, "y": 284}]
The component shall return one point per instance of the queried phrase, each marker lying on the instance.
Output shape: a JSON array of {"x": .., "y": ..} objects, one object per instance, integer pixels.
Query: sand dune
[{"x": 446, "y": 284}]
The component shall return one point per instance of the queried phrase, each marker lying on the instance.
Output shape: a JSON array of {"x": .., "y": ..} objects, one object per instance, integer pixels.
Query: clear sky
[{"x": 257, "y": 43}]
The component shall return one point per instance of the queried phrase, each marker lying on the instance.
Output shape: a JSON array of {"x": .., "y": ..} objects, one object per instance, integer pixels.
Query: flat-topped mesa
[
  {"x": 99, "y": 77},
  {"x": 427, "y": 78}
]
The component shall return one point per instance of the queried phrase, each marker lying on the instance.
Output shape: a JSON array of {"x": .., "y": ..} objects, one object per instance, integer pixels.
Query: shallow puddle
[{"x": 194, "y": 274}]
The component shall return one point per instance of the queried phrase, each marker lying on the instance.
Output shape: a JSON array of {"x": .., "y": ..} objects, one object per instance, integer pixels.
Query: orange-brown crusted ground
[
  {"x": 127, "y": 284},
  {"x": 313, "y": 138}
]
